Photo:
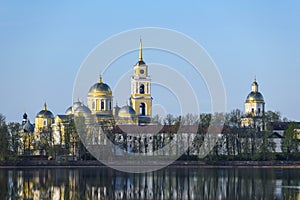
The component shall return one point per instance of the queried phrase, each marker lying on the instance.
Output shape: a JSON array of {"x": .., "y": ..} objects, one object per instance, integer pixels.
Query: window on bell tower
[
  {"x": 142, "y": 109},
  {"x": 142, "y": 89},
  {"x": 102, "y": 105}
]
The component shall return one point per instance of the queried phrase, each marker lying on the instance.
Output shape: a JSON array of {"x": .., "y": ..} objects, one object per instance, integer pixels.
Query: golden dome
[
  {"x": 45, "y": 113},
  {"x": 100, "y": 89},
  {"x": 255, "y": 97}
]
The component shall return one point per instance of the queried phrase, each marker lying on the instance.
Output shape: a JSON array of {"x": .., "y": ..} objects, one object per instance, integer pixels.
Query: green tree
[
  {"x": 4, "y": 139},
  {"x": 190, "y": 119},
  {"x": 15, "y": 143},
  {"x": 169, "y": 120},
  {"x": 46, "y": 142},
  {"x": 157, "y": 119},
  {"x": 267, "y": 147},
  {"x": 205, "y": 119},
  {"x": 272, "y": 116},
  {"x": 289, "y": 143},
  {"x": 233, "y": 119}
]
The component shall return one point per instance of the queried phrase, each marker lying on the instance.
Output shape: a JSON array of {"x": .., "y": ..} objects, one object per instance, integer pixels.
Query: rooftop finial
[
  {"x": 141, "y": 51},
  {"x": 45, "y": 106},
  {"x": 254, "y": 78},
  {"x": 100, "y": 79}
]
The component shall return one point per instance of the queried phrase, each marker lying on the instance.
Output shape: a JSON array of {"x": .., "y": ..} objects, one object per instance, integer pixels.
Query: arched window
[
  {"x": 142, "y": 89},
  {"x": 102, "y": 105},
  {"x": 142, "y": 109}
]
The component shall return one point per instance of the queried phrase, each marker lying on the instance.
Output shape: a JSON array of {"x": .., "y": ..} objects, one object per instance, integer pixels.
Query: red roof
[{"x": 153, "y": 129}]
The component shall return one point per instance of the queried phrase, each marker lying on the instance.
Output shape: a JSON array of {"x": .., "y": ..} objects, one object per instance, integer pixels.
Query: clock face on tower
[{"x": 142, "y": 71}]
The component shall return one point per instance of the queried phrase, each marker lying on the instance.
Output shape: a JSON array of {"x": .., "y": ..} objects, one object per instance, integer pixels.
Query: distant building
[
  {"x": 254, "y": 109},
  {"x": 26, "y": 137},
  {"x": 278, "y": 129},
  {"x": 43, "y": 120}
]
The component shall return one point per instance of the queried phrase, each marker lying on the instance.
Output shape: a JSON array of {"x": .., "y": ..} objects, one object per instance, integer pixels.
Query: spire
[
  {"x": 141, "y": 51},
  {"x": 45, "y": 106},
  {"x": 254, "y": 85},
  {"x": 100, "y": 79},
  {"x": 25, "y": 116}
]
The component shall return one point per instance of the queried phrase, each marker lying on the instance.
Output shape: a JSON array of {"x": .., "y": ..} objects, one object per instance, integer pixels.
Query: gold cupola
[{"x": 100, "y": 89}]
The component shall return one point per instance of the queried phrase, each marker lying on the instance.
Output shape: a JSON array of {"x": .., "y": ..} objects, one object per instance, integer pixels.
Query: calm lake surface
[{"x": 169, "y": 183}]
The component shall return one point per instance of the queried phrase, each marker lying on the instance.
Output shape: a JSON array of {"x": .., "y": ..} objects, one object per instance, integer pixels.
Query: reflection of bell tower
[{"x": 141, "y": 99}]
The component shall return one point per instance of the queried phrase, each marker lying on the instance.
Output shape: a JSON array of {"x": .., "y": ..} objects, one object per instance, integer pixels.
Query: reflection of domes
[
  {"x": 100, "y": 89},
  {"x": 28, "y": 127},
  {"x": 126, "y": 111},
  {"x": 255, "y": 97},
  {"x": 82, "y": 110},
  {"x": 45, "y": 113}
]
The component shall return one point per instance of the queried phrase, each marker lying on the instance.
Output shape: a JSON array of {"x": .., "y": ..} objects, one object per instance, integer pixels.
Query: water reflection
[{"x": 169, "y": 183}]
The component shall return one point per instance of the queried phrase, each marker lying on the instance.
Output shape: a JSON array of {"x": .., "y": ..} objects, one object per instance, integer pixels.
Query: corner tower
[{"x": 141, "y": 100}]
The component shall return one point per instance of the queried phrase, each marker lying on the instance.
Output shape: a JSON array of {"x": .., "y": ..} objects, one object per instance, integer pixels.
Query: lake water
[{"x": 169, "y": 183}]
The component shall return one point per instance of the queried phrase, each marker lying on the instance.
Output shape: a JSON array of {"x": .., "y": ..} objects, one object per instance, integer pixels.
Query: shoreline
[{"x": 176, "y": 164}]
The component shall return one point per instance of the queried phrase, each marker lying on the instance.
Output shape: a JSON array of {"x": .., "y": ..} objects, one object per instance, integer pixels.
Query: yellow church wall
[
  {"x": 136, "y": 106},
  {"x": 42, "y": 123}
]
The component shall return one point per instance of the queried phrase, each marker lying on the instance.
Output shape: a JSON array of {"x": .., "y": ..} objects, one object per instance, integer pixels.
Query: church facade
[{"x": 254, "y": 109}]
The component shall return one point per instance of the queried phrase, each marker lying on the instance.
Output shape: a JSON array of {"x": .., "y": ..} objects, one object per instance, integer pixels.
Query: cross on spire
[{"x": 100, "y": 79}]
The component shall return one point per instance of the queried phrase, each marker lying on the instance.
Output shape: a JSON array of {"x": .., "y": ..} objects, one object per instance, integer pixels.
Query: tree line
[{"x": 235, "y": 142}]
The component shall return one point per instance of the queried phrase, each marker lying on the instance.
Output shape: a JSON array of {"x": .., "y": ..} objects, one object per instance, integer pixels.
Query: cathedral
[
  {"x": 99, "y": 110},
  {"x": 100, "y": 100}
]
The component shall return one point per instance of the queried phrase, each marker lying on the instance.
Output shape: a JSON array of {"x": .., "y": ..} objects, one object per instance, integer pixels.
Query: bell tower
[{"x": 141, "y": 100}]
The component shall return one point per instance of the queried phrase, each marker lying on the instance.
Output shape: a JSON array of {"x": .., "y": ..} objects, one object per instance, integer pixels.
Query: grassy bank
[{"x": 75, "y": 164}]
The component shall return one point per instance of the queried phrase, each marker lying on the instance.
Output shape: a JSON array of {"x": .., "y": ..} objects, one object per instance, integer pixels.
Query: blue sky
[{"x": 42, "y": 45}]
